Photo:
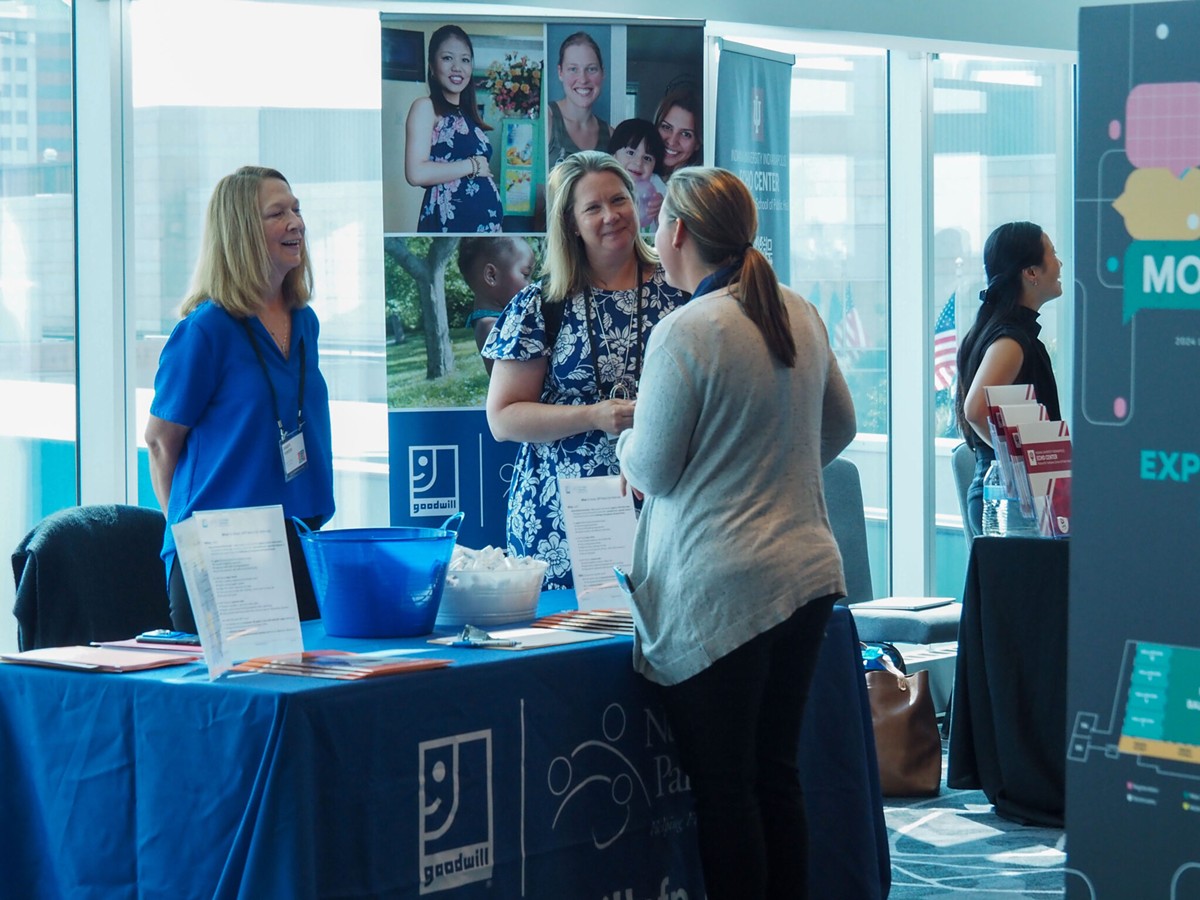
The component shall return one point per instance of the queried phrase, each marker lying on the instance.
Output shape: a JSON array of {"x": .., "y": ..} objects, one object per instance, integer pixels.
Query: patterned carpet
[{"x": 954, "y": 845}]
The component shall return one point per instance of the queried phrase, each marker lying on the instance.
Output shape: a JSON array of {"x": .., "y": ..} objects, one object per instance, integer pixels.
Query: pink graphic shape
[
  {"x": 1114, "y": 129},
  {"x": 1162, "y": 126},
  {"x": 1120, "y": 407}
]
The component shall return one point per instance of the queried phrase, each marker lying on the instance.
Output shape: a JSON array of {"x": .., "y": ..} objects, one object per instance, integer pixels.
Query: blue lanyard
[{"x": 270, "y": 386}]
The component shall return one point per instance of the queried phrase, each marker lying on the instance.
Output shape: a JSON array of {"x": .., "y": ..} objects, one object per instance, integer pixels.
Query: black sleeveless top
[{"x": 1023, "y": 328}]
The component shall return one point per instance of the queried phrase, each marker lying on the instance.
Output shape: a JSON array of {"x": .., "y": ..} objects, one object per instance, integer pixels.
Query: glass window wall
[
  {"x": 999, "y": 155},
  {"x": 37, "y": 275},
  {"x": 307, "y": 103},
  {"x": 839, "y": 241}
]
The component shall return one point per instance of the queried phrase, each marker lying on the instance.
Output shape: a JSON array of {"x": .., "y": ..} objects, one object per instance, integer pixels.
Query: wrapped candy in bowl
[{"x": 488, "y": 587}]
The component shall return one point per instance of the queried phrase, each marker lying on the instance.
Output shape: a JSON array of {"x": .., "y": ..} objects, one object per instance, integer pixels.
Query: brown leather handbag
[{"x": 907, "y": 741}]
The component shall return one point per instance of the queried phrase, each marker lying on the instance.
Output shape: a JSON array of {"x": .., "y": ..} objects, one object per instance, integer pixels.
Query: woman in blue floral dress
[
  {"x": 569, "y": 349},
  {"x": 446, "y": 149}
]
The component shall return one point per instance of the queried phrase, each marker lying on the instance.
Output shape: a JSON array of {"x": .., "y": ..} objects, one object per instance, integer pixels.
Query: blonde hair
[
  {"x": 234, "y": 266},
  {"x": 718, "y": 212},
  {"x": 566, "y": 270}
]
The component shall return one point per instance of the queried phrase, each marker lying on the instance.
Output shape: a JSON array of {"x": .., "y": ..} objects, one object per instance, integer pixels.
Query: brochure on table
[
  {"x": 600, "y": 525},
  {"x": 1046, "y": 449},
  {"x": 998, "y": 395},
  {"x": 1009, "y": 418},
  {"x": 238, "y": 574}
]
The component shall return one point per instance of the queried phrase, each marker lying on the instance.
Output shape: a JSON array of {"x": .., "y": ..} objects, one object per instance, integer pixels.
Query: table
[
  {"x": 546, "y": 773},
  {"x": 1008, "y": 725}
]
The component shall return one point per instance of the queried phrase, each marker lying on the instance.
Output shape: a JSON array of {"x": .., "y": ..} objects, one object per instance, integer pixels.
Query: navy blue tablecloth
[
  {"x": 547, "y": 773},
  {"x": 1008, "y": 722}
]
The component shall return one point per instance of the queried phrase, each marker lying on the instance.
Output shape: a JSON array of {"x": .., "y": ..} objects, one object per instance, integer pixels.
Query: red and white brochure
[
  {"x": 1009, "y": 417},
  {"x": 998, "y": 395},
  {"x": 1046, "y": 450}
]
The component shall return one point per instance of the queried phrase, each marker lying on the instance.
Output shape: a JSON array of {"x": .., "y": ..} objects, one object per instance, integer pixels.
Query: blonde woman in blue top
[{"x": 240, "y": 415}]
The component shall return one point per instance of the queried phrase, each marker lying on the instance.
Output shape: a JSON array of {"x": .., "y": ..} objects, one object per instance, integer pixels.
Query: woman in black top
[{"x": 1002, "y": 347}]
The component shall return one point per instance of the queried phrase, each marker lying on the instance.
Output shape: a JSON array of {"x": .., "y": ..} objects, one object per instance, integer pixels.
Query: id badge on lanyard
[
  {"x": 291, "y": 443},
  {"x": 291, "y": 450}
]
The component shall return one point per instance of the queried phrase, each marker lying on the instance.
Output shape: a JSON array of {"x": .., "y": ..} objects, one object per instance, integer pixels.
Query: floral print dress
[
  {"x": 464, "y": 205},
  {"x": 535, "y": 517}
]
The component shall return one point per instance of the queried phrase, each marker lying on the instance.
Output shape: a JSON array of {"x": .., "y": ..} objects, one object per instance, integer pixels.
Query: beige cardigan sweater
[{"x": 728, "y": 446}]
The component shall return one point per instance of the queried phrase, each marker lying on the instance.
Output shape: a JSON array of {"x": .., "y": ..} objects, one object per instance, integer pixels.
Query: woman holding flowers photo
[{"x": 447, "y": 151}]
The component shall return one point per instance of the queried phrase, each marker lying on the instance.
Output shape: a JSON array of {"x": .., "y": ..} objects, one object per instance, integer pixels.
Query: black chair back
[{"x": 90, "y": 573}]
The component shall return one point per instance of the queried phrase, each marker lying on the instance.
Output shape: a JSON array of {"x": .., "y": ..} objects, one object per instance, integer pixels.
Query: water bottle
[
  {"x": 1017, "y": 523},
  {"x": 995, "y": 502}
]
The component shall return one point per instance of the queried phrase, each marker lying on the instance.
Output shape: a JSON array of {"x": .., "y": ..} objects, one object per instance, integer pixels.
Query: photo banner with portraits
[
  {"x": 474, "y": 114},
  {"x": 752, "y": 139}
]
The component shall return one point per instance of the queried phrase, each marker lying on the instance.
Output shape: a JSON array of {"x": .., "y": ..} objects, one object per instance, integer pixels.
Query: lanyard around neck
[
  {"x": 270, "y": 385},
  {"x": 589, "y": 309}
]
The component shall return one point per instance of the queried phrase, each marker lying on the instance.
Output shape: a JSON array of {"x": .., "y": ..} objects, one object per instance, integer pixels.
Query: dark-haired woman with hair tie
[
  {"x": 735, "y": 569},
  {"x": 446, "y": 149},
  {"x": 1002, "y": 347}
]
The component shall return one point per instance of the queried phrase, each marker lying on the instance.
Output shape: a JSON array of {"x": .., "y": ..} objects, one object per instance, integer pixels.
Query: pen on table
[{"x": 489, "y": 642}]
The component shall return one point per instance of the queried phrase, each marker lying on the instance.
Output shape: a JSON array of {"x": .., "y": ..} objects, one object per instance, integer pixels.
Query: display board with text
[{"x": 1133, "y": 749}]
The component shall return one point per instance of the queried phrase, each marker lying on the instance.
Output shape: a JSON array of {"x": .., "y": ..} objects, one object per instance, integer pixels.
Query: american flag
[
  {"x": 848, "y": 334},
  {"x": 945, "y": 348}
]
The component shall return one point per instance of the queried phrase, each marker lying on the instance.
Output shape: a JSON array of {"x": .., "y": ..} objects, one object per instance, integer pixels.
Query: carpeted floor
[{"x": 954, "y": 845}]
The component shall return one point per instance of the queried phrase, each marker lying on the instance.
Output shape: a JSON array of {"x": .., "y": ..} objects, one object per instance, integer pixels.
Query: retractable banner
[
  {"x": 456, "y": 251},
  {"x": 1133, "y": 709},
  {"x": 752, "y": 138}
]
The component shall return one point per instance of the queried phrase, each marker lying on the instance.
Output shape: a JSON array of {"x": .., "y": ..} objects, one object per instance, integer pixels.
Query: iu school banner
[
  {"x": 1133, "y": 681},
  {"x": 753, "y": 122}
]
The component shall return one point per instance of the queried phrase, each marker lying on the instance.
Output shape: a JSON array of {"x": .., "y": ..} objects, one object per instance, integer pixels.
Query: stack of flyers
[
  {"x": 340, "y": 664},
  {"x": 1009, "y": 419},
  {"x": 1006, "y": 395},
  {"x": 1046, "y": 452}
]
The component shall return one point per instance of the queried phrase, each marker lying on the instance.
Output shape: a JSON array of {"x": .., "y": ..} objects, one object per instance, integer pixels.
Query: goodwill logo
[
  {"x": 433, "y": 480},
  {"x": 456, "y": 827}
]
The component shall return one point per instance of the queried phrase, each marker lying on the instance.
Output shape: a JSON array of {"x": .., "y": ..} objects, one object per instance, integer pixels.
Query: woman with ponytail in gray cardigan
[{"x": 735, "y": 568}]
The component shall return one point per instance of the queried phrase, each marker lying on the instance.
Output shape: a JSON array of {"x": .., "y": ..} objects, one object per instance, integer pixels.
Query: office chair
[
  {"x": 90, "y": 573},
  {"x": 962, "y": 462},
  {"x": 844, "y": 503}
]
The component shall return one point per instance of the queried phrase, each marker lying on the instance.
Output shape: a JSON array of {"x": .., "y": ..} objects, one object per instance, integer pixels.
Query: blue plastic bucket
[{"x": 379, "y": 582}]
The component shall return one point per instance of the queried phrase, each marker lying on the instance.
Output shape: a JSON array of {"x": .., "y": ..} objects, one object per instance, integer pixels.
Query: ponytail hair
[
  {"x": 717, "y": 210},
  {"x": 1009, "y": 250}
]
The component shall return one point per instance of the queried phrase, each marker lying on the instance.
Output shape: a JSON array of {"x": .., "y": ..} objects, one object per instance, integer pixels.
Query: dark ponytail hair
[
  {"x": 466, "y": 99},
  {"x": 1009, "y": 250},
  {"x": 718, "y": 211}
]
